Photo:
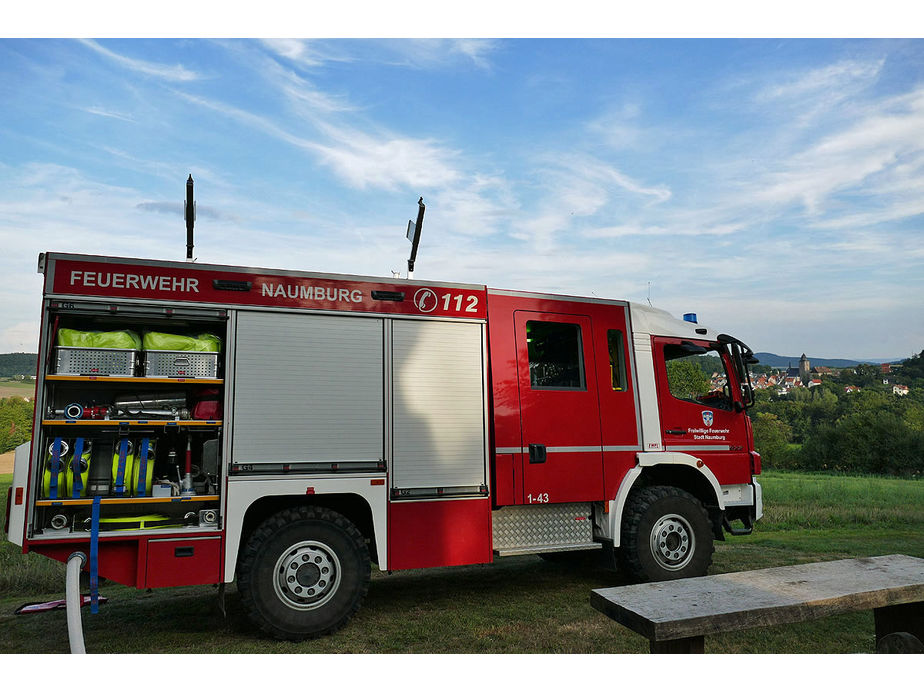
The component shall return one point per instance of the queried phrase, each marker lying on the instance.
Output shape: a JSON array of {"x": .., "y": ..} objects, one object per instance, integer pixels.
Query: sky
[{"x": 775, "y": 187}]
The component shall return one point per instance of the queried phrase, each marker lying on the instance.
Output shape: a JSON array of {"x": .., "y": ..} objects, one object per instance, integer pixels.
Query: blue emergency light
[{"x": 689, "y": 317}]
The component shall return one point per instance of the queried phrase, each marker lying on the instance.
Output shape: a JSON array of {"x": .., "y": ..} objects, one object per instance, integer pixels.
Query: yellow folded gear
[
  {"x": 121, "y": 484},
  {"x": 60, "y": 485},
  {"x": 84, "y": 472},
  {"x": 110, "y": 524}
]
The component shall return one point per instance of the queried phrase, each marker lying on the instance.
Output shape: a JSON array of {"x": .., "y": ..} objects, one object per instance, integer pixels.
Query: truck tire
[
  {"x": 303, "y": 573},
  {"x": 666, "y": 535}
]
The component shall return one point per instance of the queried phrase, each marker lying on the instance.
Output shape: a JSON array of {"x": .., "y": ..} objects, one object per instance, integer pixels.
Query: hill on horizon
[
  {"x": 776, "y": 361},
  {"x": 17, "y": 364}
]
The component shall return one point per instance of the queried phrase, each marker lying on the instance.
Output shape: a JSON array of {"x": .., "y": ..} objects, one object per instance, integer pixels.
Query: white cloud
[
  {"x": 845, "y": 159},
  {"x": 481, "y": 205},
  {"x": 834, "y": 81},
  {"x": 431, "y": 54},
  {"x": 476, "y": 50},
  {"x": 387, "y": 161},
  {"x": 638, "y": 229},
  {"x": 95, "y": 110},
  {"x": 306, "y": 53},
  {"x": 361, "y": 160},
  {"x": 173, "y": 73},
  {"x": 417, "y": 53},
  {"x": 591, "y": 169}
]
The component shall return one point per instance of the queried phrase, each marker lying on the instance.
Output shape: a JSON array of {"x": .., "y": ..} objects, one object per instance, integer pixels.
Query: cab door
[
  {"x": 562, "y": 458},
  {"x": 700, "y": 405}
]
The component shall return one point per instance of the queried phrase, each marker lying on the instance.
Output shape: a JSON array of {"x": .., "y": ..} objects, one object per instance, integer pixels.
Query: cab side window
[
  {"x": 555, "y": 356},
  {"x": 617, "y": 361}
]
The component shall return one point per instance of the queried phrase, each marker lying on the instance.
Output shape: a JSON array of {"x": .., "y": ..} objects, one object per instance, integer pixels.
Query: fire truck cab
[{"x": 345, "y": 421}]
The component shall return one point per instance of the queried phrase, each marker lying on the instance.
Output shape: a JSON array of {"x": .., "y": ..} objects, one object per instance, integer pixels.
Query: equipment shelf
[
  {"x": 124, "y": 501},
  {"x": 134, "y": 379},
  {"x": 181, "y": 423}
]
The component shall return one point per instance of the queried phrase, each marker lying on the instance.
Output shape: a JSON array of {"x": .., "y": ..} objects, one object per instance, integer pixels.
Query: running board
[{"x": 552, "y": 548}]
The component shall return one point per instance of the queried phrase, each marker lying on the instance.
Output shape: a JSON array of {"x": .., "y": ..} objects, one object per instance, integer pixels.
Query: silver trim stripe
[{"x": 573, "y": 448}]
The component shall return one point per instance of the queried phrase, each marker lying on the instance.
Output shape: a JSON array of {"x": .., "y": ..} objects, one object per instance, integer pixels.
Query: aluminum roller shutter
[
  {"x": 308, "y": 388},
  {"x": 438, "y": 405}
]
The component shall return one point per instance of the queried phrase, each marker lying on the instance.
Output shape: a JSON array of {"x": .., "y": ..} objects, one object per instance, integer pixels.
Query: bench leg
[
  {"x": 900, "y": 618},
  {"x": 694, "y": 645}
]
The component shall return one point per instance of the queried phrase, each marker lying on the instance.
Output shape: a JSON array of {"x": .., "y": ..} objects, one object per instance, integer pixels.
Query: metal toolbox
[
  {"x": 92, "y": 361},
  {"x": 181, "y": 364}
]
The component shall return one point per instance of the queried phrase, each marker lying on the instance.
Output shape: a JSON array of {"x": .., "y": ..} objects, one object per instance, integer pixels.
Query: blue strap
[
  {"x": 94, "y": 557},
  {"x": 55, "y": 467},
  {"x": 75, "y": 468},
  {"x": 143, "y": 469},
  {"x": 120, "y": 472}
]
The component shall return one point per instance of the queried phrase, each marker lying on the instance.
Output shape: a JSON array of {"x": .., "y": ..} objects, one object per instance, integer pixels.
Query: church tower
[{"x": 805, "y": 369}]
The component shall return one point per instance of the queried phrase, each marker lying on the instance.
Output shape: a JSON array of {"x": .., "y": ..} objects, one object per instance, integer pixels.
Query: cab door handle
[
  {"x": 537, "y": 454},
  {"x": 676, "y": 431}
]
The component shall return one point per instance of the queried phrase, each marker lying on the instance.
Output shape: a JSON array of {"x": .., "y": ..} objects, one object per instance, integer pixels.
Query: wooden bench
[{"x": 676, "y": 615}]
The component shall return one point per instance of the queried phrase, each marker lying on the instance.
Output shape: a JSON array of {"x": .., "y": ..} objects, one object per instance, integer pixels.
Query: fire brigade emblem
[
  {"x": 425, "y": 300},
  {"x": 707, "y": 418}
]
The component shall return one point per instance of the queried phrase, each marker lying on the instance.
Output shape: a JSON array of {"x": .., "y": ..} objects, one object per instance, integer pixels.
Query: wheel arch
[
  {"x": 679, "y": 470},
  {"x": 353, "y": 506}
]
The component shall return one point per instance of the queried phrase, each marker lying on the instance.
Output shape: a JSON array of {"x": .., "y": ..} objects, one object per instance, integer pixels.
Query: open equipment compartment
[{"x": 144, "y": 439}]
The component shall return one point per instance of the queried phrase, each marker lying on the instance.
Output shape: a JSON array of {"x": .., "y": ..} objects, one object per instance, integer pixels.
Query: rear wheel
[
  {"x": 666, "y": 535},
  {"x": 303, "y": 573}
]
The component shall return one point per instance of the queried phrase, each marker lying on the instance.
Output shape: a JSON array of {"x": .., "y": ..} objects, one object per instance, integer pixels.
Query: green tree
[
  {"x": 771, "y": 438},
  {"x": 15, "y": 422}
]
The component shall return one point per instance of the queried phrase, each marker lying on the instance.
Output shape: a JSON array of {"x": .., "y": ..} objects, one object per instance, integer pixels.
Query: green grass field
[
  {"x": 16, "y": 388},
  {"x": 516, "y": 605}
]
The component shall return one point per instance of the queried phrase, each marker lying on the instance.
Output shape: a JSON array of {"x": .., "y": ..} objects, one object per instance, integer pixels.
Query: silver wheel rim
[
  {"x": 672, "y": 542},
  {"x": 306, "y": 575}
]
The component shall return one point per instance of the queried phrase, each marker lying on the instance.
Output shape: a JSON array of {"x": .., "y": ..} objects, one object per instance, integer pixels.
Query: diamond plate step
[{"x": 521, "y": 529}]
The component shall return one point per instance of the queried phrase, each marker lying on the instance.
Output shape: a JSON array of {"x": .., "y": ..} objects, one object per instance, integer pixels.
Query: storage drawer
[
  {"x": 88, "y": 361},
  {"x": 181, "y": 364},
  {"x": 176, "y": 562}
]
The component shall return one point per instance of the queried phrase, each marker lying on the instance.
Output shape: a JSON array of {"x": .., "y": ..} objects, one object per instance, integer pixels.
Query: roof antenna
[
  {"x": 189, "y": 213},
  {"x": 649, "y": 294},
  {"x": 415, "y": 229}
]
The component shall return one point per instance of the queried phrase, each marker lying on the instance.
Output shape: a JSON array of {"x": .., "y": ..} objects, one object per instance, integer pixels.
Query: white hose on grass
[{"x": 73, "y": 602}]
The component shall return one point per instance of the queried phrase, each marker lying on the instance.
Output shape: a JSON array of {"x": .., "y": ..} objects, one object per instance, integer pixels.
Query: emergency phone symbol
[
  {"x": 425, "y": 300},
  {"x": 707, "y": 418}
]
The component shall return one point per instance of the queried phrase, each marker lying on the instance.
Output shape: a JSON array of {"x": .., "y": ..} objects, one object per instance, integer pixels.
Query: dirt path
[{"x": 6, "y": 462}]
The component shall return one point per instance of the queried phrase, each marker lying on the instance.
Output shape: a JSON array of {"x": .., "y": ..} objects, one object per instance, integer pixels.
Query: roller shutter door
[
  {"x": 308, "y": 389},
  {"x": 438, "y": 404}
]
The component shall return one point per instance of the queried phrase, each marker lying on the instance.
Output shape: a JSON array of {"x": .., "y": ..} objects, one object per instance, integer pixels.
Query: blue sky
[{"x": 773, "y": 186}]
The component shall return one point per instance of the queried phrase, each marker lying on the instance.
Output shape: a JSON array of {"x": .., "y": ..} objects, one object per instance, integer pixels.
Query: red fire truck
[{"x": 340, "y": 421}]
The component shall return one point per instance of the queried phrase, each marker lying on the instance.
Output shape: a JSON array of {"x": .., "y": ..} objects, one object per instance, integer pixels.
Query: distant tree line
[
  {"x": 872, "y": 431},
  {"x": 17, "y": 364}
]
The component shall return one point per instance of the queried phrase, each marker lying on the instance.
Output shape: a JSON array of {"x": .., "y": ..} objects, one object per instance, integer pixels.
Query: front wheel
[
  {"x": 303, "y": 573},
  {"x": 666, "y": 535}
]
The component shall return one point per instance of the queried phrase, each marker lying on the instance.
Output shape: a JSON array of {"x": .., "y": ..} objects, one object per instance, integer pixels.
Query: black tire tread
[
  {"x": 638, "y": 502},
  {"x": 247, "y": 563}
]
